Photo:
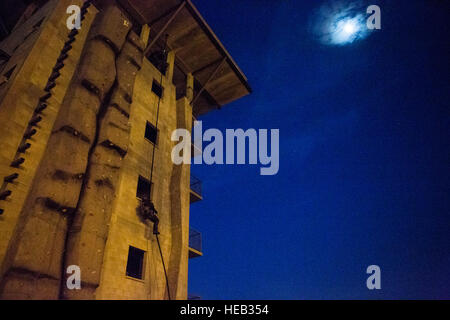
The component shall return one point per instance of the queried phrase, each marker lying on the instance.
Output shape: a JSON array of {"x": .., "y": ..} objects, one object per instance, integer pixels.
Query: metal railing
[
  {"x": 195, "y": 240},
  {"x": 196, "y": 185}
]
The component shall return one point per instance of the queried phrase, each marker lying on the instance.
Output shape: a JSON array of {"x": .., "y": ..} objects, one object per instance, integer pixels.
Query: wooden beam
[
  {"x": 202, "y": 23},
  {"x": 207, "y": 66},
  {"x": 163, "y": 29},
  {"x": 182, "y": 65},
  {"x": 4, "y": 56},
  {"x": 213, "y": 74},
  {"x": 165, "y": 14},
  {"x": 129, "y": 8}
]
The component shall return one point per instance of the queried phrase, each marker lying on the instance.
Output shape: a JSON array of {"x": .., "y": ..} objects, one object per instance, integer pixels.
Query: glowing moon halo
[
  {"x": 340, "y": 24},
  {"x": 345, "y": 30},
  {"x": 349, "y": 27}
]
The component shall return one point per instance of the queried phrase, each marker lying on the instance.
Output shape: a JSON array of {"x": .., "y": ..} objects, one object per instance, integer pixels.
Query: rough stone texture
[
  {"x": 87, "y": 155},
  {"x": 121, "y": 101},
  {"x": 125, "y": 228},
  {"x": 98, "y": 66},
  {"x": 35, "y": 58},
  {"x": 113, "y": 26},
  {"x": 179, "y": 215},
  {"x": 22, "y": 286},
  {"x": 115, "y": 129},
  {"x": 89, "y": 232},
  {"x": 42, "y": 235},
  {"x": 58, "y": 180},
  {"x": 79, "y": 114}
]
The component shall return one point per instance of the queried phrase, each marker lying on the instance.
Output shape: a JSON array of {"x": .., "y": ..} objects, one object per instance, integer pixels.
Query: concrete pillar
[
  {"x": 145, "y": 33},
  {"x": 190, "y": 87},
  {"x": 171, "y": 65},
  {"x": 179, "y": 211}
]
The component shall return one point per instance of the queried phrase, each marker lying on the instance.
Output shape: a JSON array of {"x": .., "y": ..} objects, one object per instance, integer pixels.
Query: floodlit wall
[{"x": 87, "y": 97}]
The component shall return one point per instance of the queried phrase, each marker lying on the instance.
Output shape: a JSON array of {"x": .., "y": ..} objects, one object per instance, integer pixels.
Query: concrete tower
[{"x": 84, "y": 113}]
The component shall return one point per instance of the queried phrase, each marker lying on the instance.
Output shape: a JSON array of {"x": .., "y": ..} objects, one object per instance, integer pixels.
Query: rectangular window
[
  {"x": 159, "y": 60},
  {"x": 157, "y": 89},
  {"x": 151, "y": 133},
  {"x": 135, "y": 263},
  {"x": 137, "y": 27},
  {"x": 144, "y": 188}
]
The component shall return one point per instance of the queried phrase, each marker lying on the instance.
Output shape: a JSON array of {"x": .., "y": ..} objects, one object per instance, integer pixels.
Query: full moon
[
  {"x": 336, "y": 23},
  {"x": 349, "y": 27},
  {"x": 345, "y": 30}
]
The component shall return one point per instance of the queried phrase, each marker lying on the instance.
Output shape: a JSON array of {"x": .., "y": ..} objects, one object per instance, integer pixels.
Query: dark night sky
[{"x": 364, "y": 158}]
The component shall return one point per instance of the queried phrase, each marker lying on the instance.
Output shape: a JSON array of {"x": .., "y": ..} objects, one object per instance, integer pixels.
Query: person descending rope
[
  {"x": 148, "y": 211},
  {"x": 147, "y": 208}
]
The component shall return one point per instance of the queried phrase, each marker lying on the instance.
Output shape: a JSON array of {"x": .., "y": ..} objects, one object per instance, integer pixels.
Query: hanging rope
[
  {"x": 164, "y": 267},
  {"x": 159, "y": 103},
  {"x": 155, "y": 232}
]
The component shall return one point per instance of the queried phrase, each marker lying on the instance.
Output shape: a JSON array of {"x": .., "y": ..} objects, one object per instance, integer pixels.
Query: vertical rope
[
  {"x": 153, "y": 161},
  {"x": 157, "y": 114},
  {"x": 164, "y": 267}
]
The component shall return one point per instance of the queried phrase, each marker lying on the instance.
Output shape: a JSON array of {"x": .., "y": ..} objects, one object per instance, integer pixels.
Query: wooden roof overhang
[{"x": 198, "y": 51}]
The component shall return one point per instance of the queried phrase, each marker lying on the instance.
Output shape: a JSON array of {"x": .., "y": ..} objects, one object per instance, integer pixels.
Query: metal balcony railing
[
  {"x": 195, "y": 243},
  {"x": 196, "y": 189}
]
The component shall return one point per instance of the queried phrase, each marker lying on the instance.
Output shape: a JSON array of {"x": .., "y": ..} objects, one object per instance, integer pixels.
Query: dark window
[
  {"x": 159, "y": 60},
  {"x": 151, "y": 133},
  {"x": 135, "y": 263},
  {"x": 157, "y": 89},
  {"x": 137, "y": 28},
  {"x": 143, "y": 188}
]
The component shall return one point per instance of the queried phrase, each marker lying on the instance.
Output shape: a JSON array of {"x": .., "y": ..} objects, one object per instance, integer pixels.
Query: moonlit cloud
[{"x": 337, "y": 23}]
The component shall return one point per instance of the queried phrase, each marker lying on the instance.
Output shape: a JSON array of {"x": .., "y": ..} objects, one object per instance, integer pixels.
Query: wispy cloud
[{"x": 339, "y": 23}]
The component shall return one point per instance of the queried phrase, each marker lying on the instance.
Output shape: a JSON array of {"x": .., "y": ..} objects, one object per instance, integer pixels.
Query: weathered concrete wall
[
  {"x": 78, "y": 202},
  {"x": 170, "y": 183},
  {"x": 19, "y": 103},
  {"x": 180, "y": 193},
  {"x": 89, "y": 231},
  {"x": 40, "y": 240}
]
